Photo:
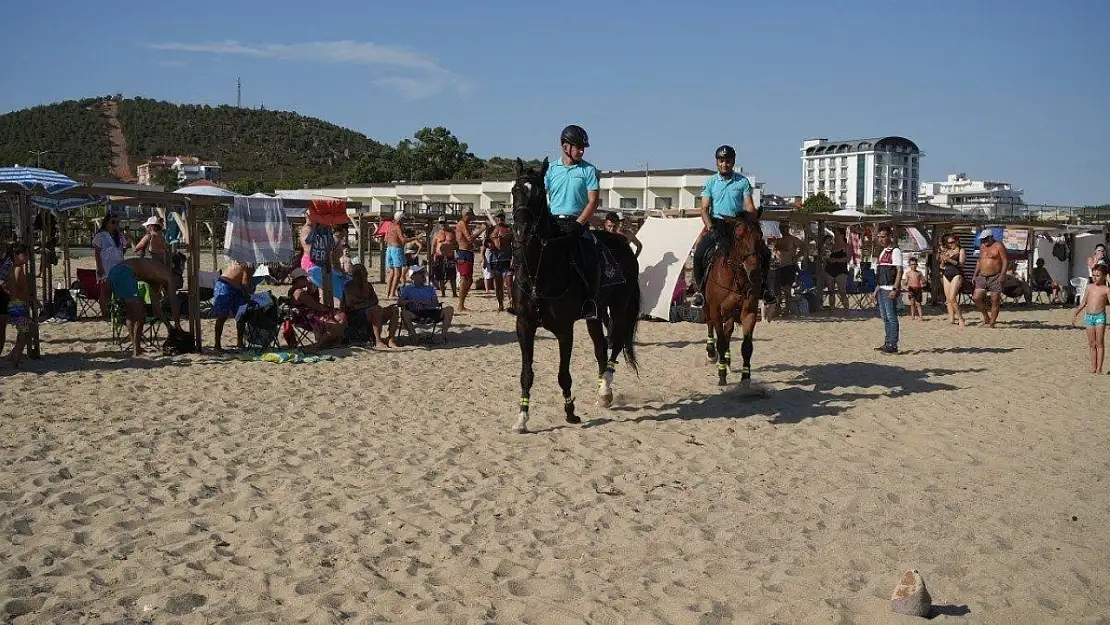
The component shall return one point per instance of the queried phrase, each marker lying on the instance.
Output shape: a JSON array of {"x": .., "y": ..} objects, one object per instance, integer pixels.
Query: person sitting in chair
[
  {"x": 327, "y": 324},
  {"x": 1041, "y": 281},
  {"x": 418, "y": 302},
  {"x": 1014, "y": 287},
  {"x": 363, "y": 308},
  {"x": 124, "y": 280},
  {"x": 572, "y": 196},
  {"x": 726, "y": 195}
]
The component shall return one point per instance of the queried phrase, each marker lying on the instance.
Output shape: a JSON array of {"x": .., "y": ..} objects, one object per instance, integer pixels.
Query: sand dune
[{"x": 387, "y": 486}]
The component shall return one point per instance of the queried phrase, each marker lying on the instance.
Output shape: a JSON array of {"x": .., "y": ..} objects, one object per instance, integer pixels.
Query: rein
[{"x": 737, "y": 266}]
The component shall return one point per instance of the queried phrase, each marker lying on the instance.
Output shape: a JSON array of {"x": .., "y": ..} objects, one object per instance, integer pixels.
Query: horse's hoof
[
  {"x": 605, "y": 401},
  {"x": 722, "y": 383},
  {"x": 711, "y": 353},
  {"x": 520, "y": 429},
  {"x": 573, "y": 419}
]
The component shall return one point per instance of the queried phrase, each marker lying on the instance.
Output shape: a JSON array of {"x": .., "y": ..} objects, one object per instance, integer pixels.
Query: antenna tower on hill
[{"x": 238, "y": 93}]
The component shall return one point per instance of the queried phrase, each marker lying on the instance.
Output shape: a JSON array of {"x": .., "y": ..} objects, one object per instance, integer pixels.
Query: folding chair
[
  {"x": 430, "y": 323},
  {"x": 261, "y": 324},
  {"x": 87, "y": 293},
  {"x": 862, "y": 294},
  {"x": 295, "y": 326},
  {"x": 151, "y": 333}
]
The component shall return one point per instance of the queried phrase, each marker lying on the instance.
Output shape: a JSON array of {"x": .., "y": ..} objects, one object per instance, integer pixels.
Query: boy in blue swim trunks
[
  {"x": 20, "y": 298},
  {"x": 124, "y": 281},
  {"x": 1093, "y": 304}
]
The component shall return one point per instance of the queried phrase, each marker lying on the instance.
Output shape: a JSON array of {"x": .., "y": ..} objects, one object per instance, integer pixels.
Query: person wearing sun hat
[{"x": 154, "y": 242}]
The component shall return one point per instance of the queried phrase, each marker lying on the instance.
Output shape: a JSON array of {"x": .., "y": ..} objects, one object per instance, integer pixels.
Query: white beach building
[{"x": 625, "y": 190}]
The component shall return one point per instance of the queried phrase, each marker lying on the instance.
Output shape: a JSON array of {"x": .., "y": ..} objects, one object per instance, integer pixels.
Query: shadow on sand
[{"x": 796, "y": 402}]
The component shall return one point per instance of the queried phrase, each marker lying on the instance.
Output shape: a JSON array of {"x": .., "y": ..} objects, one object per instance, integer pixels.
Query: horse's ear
[
  {"x": 543, "y": 166},
  {"x": 519, "y": 167}
]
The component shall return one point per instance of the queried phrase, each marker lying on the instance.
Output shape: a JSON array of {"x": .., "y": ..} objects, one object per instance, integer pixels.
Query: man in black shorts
[{"x": 418, "y": 302}]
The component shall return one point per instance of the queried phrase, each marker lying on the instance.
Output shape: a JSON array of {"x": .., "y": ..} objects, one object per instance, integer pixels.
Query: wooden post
[
  {"x": 192, "y": 228},
  {"x": 23, "y": 205},
  {"x": 64, "y": 232},
  {"x": 361, "y": 232},
  {"x": 936, "y": 286},
  {"x": 819, "y": 266},
  {"x": 212, "y": 231}
]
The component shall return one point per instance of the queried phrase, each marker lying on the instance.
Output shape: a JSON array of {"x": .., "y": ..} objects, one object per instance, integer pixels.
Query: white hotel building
[
  {"x": 856, "y": 173},
  {"x": 627, "y": 190},
  {"x": 975, "y": 197}
]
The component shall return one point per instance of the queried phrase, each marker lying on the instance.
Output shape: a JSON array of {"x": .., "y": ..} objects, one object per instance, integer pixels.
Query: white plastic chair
[{"x": 1080, "y": 286}]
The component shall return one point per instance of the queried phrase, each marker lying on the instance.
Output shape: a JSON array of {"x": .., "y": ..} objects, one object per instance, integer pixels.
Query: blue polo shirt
[
  {"x": 568, "y": 188},
  {"x": 727, "y": 195}
]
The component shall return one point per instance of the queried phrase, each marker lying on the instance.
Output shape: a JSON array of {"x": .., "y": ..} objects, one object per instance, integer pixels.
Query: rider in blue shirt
[
  {"x": 728, "y": 194},
  {"x": 572, "y": 196}
]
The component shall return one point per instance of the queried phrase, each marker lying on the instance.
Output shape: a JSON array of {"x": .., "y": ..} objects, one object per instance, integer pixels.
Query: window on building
[
  {"x": 496, "y": 205},
  {"x": 629, "y": 202},
  {"x": 663, "y": 203}
]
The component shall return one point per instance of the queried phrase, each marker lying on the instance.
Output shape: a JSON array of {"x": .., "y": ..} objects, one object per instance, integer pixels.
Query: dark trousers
[{"x": 586, "y": 256}]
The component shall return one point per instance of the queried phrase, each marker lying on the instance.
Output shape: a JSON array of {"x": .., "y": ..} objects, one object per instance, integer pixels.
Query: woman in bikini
[
  {"x": 952, "y": 258},
  {"x": 836, "y": 269}
]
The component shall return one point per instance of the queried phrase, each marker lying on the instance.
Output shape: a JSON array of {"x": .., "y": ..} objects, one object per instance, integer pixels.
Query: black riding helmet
[
  {"x": 576, "y": 136},
  {"x": 726, "y": 152}
]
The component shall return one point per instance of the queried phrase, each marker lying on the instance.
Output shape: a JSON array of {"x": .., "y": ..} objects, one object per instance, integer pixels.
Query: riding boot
[
  {"x": 765, "y": 263},
  {"x": 590, "y": 267},
  {"x": 705, "y": 243}
]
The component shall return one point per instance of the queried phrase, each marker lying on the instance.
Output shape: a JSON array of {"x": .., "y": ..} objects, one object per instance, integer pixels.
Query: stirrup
[
  {"x": 698, "y": 300},
  {"x": 589, "y": 309}
]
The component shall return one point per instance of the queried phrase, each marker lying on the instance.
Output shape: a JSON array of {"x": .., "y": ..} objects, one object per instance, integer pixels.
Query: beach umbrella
[
  {"x": 35, "y": 180},
  {"x": 204, "y": 187},
  {"x": 848, "y": 212},
  {"x": 61, "y": 204}
]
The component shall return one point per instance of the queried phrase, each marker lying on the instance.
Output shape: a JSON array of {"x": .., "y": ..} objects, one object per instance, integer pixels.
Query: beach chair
[
  {"x": 295, "y": 327},
  {"x": 429, "y": 324},
  {"x": 150, "y": 335},
  {"x": 862, "y": 294},
  {"x": 1080, "y": 286},
  {"x": 87, "y": 293},
  {"x": 262, "y": 322},
  {"x": 806, "y": 291}
]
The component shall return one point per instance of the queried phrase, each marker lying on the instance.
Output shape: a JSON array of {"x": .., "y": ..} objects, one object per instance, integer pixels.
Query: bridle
[
  {"x": 529, "y": 213},
  {"x": 738, "y": 263}
]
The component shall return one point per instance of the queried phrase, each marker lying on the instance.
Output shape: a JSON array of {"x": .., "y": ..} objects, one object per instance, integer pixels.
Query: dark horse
[
  {"x": 732, "y": 294},
  {"x": 550, "y": 293}
]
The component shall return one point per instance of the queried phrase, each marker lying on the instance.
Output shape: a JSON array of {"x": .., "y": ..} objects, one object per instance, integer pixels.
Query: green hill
[{"x": 257, "y": 149}]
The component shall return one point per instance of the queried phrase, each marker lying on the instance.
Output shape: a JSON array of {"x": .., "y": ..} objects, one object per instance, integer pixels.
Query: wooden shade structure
[{"x": 118, "y": 195}]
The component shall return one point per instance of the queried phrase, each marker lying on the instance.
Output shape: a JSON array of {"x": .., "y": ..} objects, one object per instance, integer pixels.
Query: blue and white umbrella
[
  {"x": 61, "y": 204},
  {"x": 33, "y": 179}
]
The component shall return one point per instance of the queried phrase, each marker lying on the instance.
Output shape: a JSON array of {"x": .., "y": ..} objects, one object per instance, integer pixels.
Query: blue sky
[{"x": 1013, "y": 90}]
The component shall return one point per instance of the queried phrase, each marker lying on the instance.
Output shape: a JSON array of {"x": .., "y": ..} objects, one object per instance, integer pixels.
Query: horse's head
[{"x": 529, "y": 200}]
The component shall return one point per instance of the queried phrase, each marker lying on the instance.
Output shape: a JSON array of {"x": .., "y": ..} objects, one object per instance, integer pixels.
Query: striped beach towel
[{"x": 258, "y": 232}]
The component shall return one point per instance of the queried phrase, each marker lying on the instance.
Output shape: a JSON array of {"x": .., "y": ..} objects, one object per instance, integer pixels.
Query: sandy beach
[{"x": 386, "y": 486}]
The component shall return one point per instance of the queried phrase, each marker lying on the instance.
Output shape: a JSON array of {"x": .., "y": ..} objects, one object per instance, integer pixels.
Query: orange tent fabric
[{"x": 328, "y": 212}]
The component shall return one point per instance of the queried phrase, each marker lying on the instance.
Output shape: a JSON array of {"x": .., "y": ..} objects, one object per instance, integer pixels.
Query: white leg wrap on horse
[{"x": 521, "y": 422}]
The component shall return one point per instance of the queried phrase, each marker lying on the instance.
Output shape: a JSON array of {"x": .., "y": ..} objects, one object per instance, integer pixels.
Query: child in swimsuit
[
  {"x": 1093, "y": 304},
  {"x": 915, "y": 286}
]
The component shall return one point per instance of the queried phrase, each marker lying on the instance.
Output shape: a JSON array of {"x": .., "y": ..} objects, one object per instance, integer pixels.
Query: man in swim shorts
[
  {"x": 500, "y": 242},
  {"x": 228, "y": 294},
  {"x": 1093, "y": 304},
  {"x": 989, "y": 271},
  {"x": 464, "y": 256},
  {"x": 443, "y": 260},
  {"x": 395, "y": 254},
  {"x": 124, "y": 282}
]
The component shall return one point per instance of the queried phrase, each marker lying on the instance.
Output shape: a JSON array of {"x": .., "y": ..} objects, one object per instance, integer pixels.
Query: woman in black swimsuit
[
  {"x": 836, "y": 269},
  {"x": 952, "y": 258}
]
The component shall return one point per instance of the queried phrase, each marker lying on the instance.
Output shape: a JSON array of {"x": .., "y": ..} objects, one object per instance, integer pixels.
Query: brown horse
[{"x": 732, "y": 291}]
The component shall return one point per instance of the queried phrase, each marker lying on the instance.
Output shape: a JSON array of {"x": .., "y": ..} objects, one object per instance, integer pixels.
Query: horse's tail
[{"x": 632, "y": 309}]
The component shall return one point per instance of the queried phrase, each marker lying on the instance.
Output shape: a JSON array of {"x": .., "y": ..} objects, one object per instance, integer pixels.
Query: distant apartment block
[
  {"x": 975, "y": 197},
  {"x": 189, "y": 169},
  {"x": 863, "y": 173}
]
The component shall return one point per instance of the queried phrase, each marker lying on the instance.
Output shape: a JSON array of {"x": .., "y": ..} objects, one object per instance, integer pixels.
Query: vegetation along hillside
[{"x": 258, "y": 150}]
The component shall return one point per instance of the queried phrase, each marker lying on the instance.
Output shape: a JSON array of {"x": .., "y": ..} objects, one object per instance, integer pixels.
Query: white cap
[
  {"x": 416, "y": 269},
  {"x": 153, "y": 221},
  {"x": 398, "y": 216},
  {"x": 297, "y": 273}
]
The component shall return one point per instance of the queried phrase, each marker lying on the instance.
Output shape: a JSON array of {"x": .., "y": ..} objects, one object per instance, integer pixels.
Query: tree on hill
[
  {"x": 819, "y": 203},
  {"x": 166, "y": 178}
]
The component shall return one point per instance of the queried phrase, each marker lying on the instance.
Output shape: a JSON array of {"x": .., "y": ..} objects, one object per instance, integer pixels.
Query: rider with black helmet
[
  {"x": 727, "y": 194},
  {"x": 572, "y": 195}
]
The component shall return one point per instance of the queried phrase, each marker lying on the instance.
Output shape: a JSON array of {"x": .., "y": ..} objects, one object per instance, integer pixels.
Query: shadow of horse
[{"x": 795, "y": 402}]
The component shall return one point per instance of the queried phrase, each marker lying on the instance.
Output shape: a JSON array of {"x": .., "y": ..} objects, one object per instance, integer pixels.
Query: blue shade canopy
[{"x": 35, "y": 179}]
